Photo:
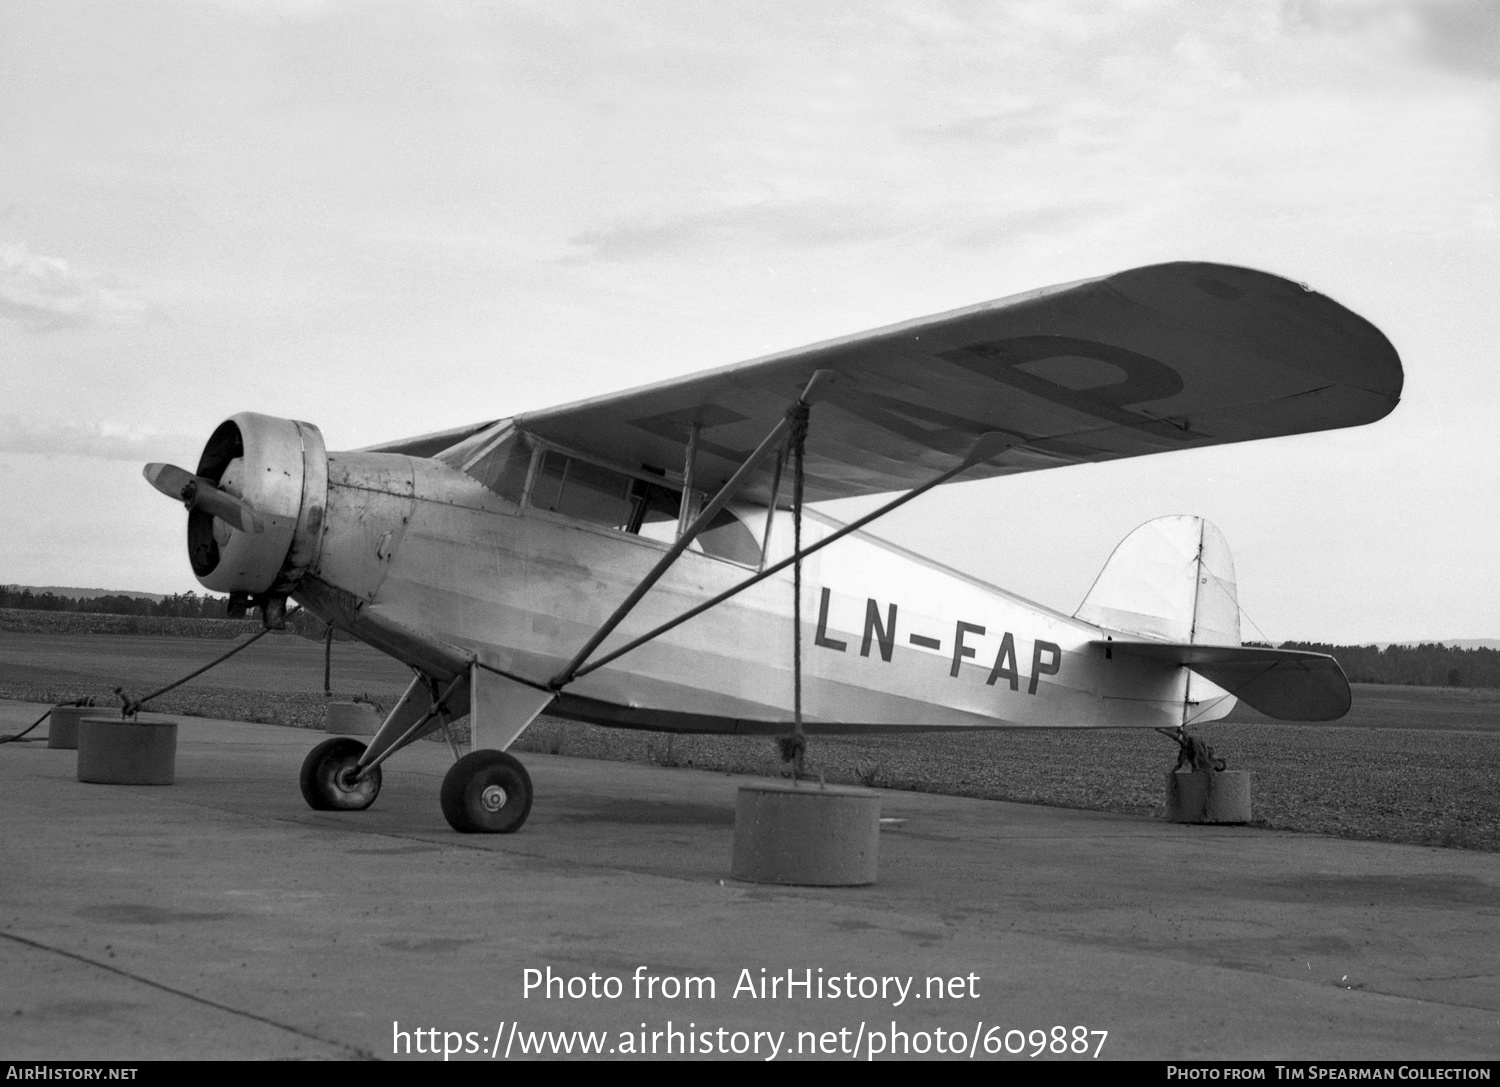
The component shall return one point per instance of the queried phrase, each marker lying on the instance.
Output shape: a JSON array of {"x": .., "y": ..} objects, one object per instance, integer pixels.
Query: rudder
[{"x": 1171, "y": 579}]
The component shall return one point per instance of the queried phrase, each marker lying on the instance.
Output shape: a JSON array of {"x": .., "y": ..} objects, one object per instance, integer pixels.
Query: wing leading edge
[{"x": 1172, "y": 356}]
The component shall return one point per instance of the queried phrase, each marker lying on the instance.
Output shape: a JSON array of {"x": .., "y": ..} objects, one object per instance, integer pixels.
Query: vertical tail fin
[
  {"x": 1171, "y": 584},
  {"x": 1171, "y": 579}
]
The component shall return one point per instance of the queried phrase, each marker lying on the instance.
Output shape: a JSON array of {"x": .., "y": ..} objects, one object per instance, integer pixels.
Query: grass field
[{"x": 1408, "y": 764}]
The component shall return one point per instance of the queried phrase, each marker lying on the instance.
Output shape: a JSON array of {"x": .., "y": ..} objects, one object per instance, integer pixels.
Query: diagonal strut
[
  {"x": 816, "y": 388},
  {"x": 989, "y": 446}
]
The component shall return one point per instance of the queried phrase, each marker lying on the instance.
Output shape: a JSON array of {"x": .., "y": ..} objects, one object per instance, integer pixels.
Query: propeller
[{"x": 201, "y": 493}]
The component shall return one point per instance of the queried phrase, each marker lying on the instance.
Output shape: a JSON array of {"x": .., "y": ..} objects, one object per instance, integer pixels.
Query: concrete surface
[{"x": 220, "y": 917}]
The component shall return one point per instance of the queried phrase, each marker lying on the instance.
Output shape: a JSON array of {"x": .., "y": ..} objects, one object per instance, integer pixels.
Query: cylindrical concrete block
[
  {"x": 1217, "y": 797},
  {"x": 116, "y": 751},
  {"x": 352, "y": 719},
  {"x": 62, "y": 725},
  {"x": 805, "y": 834}
]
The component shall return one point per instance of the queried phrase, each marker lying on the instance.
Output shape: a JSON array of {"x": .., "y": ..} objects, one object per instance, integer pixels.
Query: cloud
[
  {"x": 48, "y": 293},
  {"x": 1460, "y": 36},
  {"x": 1463, "y": 35},
  {"x": 987, "y": 229},
  {"x": 1021, "y": 125},
  {"x": 776, "y": 223},
  {"x": 1057, "y": 121},
  {"x": 107, "y": 440}
]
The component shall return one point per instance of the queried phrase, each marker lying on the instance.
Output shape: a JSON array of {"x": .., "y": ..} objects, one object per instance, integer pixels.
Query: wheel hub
[
  {"x": 347, "y": 778},
  {"x": 493, "y": 798}
]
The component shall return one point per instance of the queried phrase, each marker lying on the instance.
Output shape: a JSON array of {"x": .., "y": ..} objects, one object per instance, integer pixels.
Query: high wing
[{"x": 1172, "y": 356}]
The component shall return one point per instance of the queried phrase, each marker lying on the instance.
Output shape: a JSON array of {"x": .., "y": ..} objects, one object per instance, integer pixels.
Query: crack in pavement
[{"x": 366, "y": 1054}]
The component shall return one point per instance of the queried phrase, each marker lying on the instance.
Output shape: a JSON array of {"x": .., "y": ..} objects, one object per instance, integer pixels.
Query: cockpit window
[
  {"x": 603, "y": 496},
  {"x": 460, "y": 454},
  {"x": 653, "y": 510},
  {"x": 727, "y": 537},
  {"x": 503, "y": 467},
  {"x": 578, "y": 489}
]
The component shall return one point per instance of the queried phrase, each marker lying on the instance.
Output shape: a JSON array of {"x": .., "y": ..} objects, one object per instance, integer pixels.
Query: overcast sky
[{"x": 387, "y": 219}]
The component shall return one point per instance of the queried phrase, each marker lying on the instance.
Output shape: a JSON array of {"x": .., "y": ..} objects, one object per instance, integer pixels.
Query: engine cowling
[{"x": 280, "y": 468}]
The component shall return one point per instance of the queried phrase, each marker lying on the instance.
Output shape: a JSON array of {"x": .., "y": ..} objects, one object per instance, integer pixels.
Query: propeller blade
[
  {"x": 170, "y": 480},
  {"x": 233, "y": 511},
  {"x": 198, "y": 493}
]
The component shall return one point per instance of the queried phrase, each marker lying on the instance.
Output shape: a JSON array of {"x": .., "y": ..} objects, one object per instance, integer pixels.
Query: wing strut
[
  {"x": 403, "y": 723},
  {"x": 816, "y": 389},
  {"x": 989, "y": 446},
  {"x": 793, "y": 747}
]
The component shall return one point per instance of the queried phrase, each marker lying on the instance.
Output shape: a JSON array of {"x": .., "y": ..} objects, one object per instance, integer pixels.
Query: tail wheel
[
  {"x": 330, "y": 780},
  {"x": 486, "y": 792}
]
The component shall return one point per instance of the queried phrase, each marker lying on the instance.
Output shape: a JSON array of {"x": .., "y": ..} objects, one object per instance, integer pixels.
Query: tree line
[
  {"x": 1427, "y": 665},
  {"x": 188, "y": 605}
]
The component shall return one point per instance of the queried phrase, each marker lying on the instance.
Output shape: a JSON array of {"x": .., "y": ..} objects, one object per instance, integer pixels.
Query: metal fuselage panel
[{"x": 889, "y": 639}]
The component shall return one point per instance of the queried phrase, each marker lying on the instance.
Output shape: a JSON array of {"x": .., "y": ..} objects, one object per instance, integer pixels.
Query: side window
[
  {"x": 653, "y": 511},
  {"x": 503, "y": 467},
  {"x": 727, "y": 537},
  {"x": 548, "y": 485},
  {"x": 627, "y": 503},
  {"x": 586, "y": 491},
  {"x": 462, "y": 453}
]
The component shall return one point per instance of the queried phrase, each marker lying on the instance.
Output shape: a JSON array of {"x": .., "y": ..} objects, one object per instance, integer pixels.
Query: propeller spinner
[{"x": 200, "y": 493}]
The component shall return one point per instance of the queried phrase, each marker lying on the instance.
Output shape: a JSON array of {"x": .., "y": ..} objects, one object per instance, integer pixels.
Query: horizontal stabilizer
[{"x": 1287, "y": 684}]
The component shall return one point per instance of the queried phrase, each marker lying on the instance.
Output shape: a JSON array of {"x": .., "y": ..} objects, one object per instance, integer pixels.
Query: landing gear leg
[
  {"x": 331, "y": 780},
  {"x": 1193, "y": 752},
  {"x": 486, "y": 792}
]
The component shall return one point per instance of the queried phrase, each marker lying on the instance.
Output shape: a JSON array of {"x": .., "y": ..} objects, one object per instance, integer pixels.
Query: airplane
[{"x": 646, "y": 559}]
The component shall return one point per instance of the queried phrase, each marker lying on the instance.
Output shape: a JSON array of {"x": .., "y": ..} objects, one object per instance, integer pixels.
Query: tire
[
  {"x": 486, "y": 792},
  {"x": 325, "y": 777}
]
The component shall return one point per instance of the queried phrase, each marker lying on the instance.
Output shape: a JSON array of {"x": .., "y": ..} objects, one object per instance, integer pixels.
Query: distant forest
[
  {"x": 187, "y": 605},
  {"x": 1413, "y": 665},
  {"x": 177, "y": 606},
  {"x": 1400, "y": 665}
]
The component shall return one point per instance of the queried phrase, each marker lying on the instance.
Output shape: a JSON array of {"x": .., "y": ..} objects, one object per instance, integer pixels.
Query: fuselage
[{"x": 428, "y": 563}]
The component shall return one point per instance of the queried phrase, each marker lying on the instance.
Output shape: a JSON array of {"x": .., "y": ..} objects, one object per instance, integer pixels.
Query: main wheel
[
  {"x": 328, "y": 777},
  {"x": 486, "y": 792}
]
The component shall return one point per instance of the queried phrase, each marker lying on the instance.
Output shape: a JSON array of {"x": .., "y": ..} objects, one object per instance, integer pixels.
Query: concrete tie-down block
[
  {"x": 806, "y": 834},
  {"x": 62, "y": 725},
  {"x": 1214, "y": 796},
  {"x": 127, "y": 751},
  {"x": 352, "y": 719}
]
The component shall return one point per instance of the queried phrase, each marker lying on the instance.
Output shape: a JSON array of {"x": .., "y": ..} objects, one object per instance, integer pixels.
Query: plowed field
[{"x": 1408, "y": 764}]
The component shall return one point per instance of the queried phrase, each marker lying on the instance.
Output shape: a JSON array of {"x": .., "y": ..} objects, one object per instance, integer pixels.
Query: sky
[{"x": 393, "y": 218}]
